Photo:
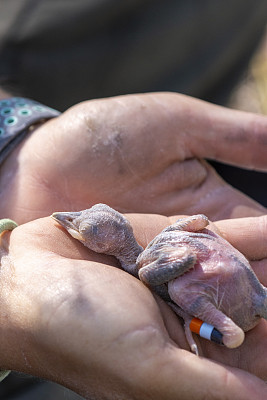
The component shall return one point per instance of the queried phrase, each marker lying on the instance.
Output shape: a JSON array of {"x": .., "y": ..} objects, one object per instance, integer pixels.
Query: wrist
[
  {"x": 32, "y": 339},
  {"x": 24, "y": 339}
]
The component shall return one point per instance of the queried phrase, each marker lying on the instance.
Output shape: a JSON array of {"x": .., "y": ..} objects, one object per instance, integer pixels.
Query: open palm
[{"x": 84, "y": 323}]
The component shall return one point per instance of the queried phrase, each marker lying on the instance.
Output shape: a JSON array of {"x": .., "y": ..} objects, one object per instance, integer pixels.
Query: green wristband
[
  {"x": 17, "y": 115},
  {"x": 6, "y": 225}
]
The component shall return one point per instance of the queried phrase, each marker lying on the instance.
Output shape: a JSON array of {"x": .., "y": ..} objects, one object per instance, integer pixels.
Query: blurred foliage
[{"x": 251, "y": 92}]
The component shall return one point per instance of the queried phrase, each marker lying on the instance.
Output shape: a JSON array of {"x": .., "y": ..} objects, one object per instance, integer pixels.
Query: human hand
[
  {"x": 67, "y": 314},
  {"x": 138, "y": 153}
]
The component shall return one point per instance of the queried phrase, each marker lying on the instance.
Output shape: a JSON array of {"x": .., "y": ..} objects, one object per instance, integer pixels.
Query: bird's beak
[{"x": 66, "y": 218}]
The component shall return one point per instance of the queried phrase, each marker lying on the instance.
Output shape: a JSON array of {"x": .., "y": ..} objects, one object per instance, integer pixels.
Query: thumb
[
  {"x": 230, "y": 136},
  {"x": 186, "y": 376},
  {"x": 248, "y": 235}
]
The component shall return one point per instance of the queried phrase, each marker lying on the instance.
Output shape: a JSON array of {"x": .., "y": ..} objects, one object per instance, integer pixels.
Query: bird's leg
[{"x": 187, "y": 319}]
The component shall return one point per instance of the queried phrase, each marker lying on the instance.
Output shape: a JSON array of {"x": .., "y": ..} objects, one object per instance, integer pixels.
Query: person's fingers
[
  {"x": 248, "y": 235},
  {"x": 176, "y": 125},
  {"x": 204, "y": 130},
  {"x": 230, "y": 136},
  {"x": 152, "y": 144},
  {"x": 136, "y": 153},
  {"x": 178, "y": 373}
]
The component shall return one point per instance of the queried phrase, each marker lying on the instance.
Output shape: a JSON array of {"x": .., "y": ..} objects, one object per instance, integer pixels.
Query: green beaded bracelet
[{"x": 17, "y": 115}]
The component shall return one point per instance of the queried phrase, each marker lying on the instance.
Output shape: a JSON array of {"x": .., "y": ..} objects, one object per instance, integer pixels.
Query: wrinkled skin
[
  {"x": 140, "y": 153},
  {"x": 54, "y": 322},
  {"x": 136, "y": 153},
  {"x": 206, "y": 277}
]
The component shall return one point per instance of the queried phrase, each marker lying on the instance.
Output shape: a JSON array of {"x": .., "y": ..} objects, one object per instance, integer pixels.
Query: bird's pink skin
[{"x": 188, "y": 264}]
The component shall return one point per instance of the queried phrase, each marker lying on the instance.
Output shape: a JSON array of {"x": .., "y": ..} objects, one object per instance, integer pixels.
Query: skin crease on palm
[
  {"x": 122, "y": 351},
  {"x": 151, "y": 146}
]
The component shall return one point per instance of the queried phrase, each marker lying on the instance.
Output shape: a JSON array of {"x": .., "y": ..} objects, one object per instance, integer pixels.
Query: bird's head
[{"x": 100, "y": 228}]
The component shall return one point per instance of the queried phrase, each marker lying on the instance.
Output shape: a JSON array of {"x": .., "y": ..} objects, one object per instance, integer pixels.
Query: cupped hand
[
  {"x": 136, "y": 153},
  {"x": 69, "y": 315}
]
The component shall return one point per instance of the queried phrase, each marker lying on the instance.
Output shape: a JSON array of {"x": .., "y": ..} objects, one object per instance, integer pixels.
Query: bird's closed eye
[{"x": 89, "y": 229}]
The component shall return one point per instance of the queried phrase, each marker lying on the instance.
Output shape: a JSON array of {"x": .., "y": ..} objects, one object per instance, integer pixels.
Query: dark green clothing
[{"x": 62, "y": 52}]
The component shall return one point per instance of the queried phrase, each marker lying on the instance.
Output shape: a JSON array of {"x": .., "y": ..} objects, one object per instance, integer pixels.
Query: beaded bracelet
[
  {"x": 6, "y": 225},
  {"x": 17, "y": 114}
]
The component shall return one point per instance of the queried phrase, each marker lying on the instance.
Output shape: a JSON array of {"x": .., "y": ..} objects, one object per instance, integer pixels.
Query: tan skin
[
  {"x": 138, "y": 154},
  {"x": 62, "y": 317}
]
